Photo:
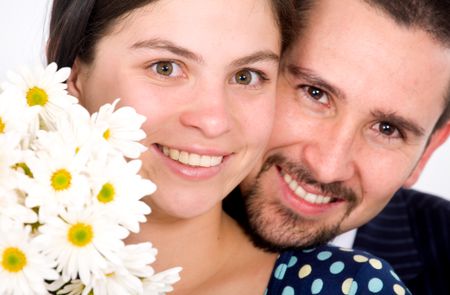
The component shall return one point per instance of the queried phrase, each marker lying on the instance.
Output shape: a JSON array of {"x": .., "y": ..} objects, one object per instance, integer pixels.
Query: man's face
[{"x": 359, "y": 96}]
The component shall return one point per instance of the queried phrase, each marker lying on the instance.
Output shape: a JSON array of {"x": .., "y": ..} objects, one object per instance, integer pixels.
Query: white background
[{"x": 23, "y": 28}]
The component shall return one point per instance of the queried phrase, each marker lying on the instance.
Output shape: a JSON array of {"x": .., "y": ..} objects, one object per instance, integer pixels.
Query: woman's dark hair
[{"x": 77, "y": 25}]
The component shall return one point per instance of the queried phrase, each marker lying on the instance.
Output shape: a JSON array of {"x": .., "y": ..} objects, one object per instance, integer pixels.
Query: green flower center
[
  {"x": 61, "y": 180},
  {"x": 2, "y": 126},
  {"x": 107, "y": 193},
  {"x": 37, "y": 96},
  {"x": 13, "y": 259},
  {"x": 107, "y": 134},
  {"x": 80, "y": 234}
]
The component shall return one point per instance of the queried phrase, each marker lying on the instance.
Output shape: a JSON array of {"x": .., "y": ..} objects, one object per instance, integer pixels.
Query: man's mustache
[{"x": 302, "y": 174}]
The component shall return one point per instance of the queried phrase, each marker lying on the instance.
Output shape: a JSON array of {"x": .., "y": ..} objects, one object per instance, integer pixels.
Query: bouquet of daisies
[{"x": 70, "y": 193}]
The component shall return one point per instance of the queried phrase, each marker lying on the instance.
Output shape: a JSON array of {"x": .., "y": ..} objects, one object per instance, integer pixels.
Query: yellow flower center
[
  {"x": 80, "y": 234},
  {"x": 13, "y": 259},
  {"x": 61, "y": 180},
  {"x": 37, "y": 96},
  {"x": 2, "y": 126},
  {"x": 107, "y": 134},
  {"x": 24, "y": 168},
  {"x": 107, "y": 193}
]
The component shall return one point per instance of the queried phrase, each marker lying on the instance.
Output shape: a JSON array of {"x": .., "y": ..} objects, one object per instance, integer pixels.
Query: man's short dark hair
[{"x": 431, "y": 16}]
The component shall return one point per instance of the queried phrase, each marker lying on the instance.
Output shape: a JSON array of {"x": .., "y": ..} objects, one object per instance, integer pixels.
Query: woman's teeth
[
  {"x": 300, "y": 192},
  {"x": 191, "y": 159}
]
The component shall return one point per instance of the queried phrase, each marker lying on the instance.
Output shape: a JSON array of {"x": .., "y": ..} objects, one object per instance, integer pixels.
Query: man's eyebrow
[
  {"x": 314, "y": 80},
  {"x": 158, "y": 43},
  {"x": 400, "y": 122},
  {"x": 264, "y": 55}
]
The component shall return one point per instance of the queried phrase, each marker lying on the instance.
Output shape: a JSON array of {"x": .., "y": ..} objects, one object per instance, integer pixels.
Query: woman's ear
[{"x": 75, "y": 81}]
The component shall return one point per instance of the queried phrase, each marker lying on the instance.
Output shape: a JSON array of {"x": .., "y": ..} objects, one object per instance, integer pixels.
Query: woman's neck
[{"x": 207, "y": 247}]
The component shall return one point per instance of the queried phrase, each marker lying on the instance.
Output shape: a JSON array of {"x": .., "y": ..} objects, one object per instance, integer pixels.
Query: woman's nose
[{"x": 209, "y": 112}]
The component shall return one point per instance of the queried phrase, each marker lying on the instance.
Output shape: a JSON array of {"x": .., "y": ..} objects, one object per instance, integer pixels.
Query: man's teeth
[
  {"x": 300, "y": 192},
  {"x": 192, "y": 159}
]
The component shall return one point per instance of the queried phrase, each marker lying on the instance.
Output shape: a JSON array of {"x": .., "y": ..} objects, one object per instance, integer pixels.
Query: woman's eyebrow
[
  {"x": 158, "y": 43},
  {"x": 264, "y": 55}
]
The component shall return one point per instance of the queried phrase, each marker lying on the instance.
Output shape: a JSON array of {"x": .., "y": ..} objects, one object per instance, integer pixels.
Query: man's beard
[{"x": 290, "y": 230}]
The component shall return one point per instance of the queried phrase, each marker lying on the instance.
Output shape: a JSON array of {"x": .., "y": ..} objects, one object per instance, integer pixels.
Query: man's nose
[{"x": 330, "y": 155}]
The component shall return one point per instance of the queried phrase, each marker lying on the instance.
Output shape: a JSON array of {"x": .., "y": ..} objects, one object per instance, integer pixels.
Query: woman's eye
[
  {"x": 167, "y": 68},
  {"x": 316, "y": 94},
  {"x": 247, "y": 77}
]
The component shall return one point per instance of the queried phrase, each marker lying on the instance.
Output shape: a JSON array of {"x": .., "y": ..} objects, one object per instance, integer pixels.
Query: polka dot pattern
[
  {"x": 304, "y": 271},
  {"x": 375, "y": 285},
  {"x": 324, "y": 255},
  {"x": 337, "y": 267},
  {"x": 353, "y": 288},
  {"x": 375, "y": 263},
  {"x": 316, "y": 286},
  {"x": 330, "y": 270},
  {"x": 395, "y": 275},
  {"x": 288, "y": 291},
  {"x": 347, "y": 286},
  {"x": 292, "y": 261},
  {"x": 399, "y": 290},
  {"x": 360, "y": 258},
  {"x": 280, "y": 271}
]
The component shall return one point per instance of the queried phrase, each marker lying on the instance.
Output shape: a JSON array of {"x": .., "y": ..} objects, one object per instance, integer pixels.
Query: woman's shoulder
[{"x": 332, "y": 270}]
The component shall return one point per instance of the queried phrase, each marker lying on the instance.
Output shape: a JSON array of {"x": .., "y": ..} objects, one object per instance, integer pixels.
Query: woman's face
[{"x": 204, "y": 74}]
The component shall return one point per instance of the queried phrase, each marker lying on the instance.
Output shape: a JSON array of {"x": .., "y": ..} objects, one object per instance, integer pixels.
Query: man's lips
[{"x": 306, "y": 192}]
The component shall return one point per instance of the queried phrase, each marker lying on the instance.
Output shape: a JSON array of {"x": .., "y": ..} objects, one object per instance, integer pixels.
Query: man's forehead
[{"x": 370, "y": 50}]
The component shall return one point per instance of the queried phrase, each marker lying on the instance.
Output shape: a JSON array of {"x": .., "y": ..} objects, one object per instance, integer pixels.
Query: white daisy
[
  {"x": 12, "y": 211},
  {"x": 23, "y": 270},
  {"x": 138, "y": 257},
  {"x": 14, "y": 116},
  {"x": 118, "y": 188},
  {"x": 120, "y": 279},
  {"x": 161, "y": 283},
  {"x": 43, "y": 87},
  {"x": 74, "y": 287},
  {"x": 121, "y": 128},
  {"x": 10, "y": 155},
  {"x": 58, "y": 177},
  {"x": 77, "y": 130},
  {"x": 82, "y": 242},
  {"x": 117, "y": 281}
]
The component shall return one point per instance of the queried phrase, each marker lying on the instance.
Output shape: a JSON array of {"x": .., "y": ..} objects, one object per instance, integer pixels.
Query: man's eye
[
  {"x": 166, "y": 68},
  {"x": 247, "y": 77},
  {"x": 316, "y": 94},
  {"x": 388, "y": 130}
]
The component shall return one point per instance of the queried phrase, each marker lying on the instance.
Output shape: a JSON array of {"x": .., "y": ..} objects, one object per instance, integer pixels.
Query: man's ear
[
  {"x": 75, "y": 81},
  {"x": 437, "y": 139}
]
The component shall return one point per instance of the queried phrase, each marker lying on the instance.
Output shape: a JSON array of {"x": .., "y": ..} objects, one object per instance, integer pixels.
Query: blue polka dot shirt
[{"x": 331, "y": 270}]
